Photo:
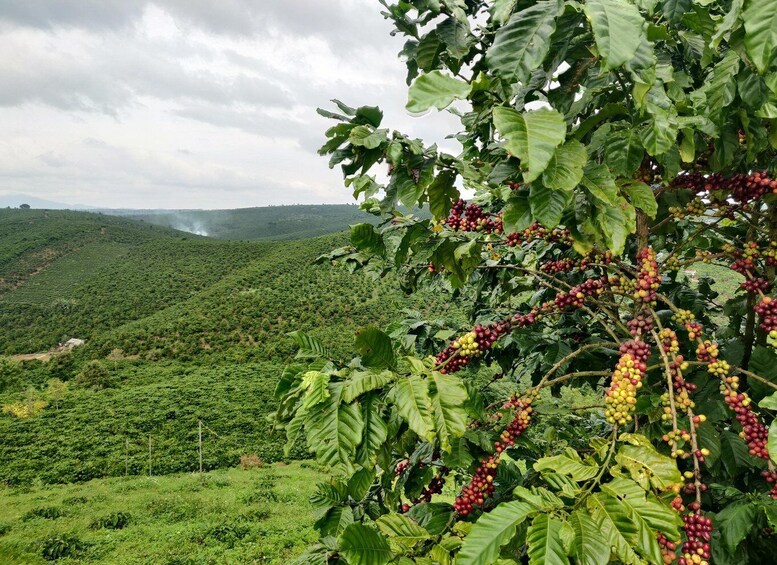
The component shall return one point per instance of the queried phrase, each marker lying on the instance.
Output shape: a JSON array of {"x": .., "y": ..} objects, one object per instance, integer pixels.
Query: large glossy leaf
[
  {"x": 623, "y": 152},
  {"x": 600, "y": 183},
  {"x": 568, "y": 463},
  {"x": 590, "y": 546},
  {"x": 374, "y": 432},
  {"x": 521, "y": 45},
  {"x": 362, "y": 545},
  {"x": 544, "y": 541},
  {"x": 674, "y": 9},
  {"x": 615, "y": 523},
  {"x": 565, "y": 169},
  {"x": 316, "y": 385},
  {"x": 334, "y": 429},
  {"x": 360, "y": 382},
  {"x": 450, "y": 418},
  {"x": 309, "y": 346},
  {"x": 772, "y": 441},
  {"x": 760, "y": 19},
  {"x": 617, "y": 27},
  {"x": 531, "y": 136},
  {"x": 642, "y": 197},
  {"x": 415, "y": 407},
  {"x": 517, "y": 214},
  {"x": 736, "y": 521},
  {"x": 365, "y": 136},
  {"x": 375, "y": 348},
  {"x": 366, "y": 238},
  {"x": 648, "y": 467},
  {"x": 437, "y": 90},
  {"x": 547, "y": 205},
  {"x": 402, "y": 530},
  {"x": 492, "y": 530},
  {"x": 442, "y": 194}
]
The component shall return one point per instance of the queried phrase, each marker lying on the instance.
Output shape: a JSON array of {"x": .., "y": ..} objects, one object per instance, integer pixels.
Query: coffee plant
[{"x": 607, "y": 146}]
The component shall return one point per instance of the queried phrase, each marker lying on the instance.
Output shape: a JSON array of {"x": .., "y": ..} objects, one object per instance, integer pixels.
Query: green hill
[
  {"x": 188, "y": 329},
  {"x": 271, "y": 222}
]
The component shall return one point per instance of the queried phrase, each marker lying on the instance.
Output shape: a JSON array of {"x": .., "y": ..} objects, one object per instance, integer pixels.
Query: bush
[
  {"x": 60, "y": 546},
  {"x": 251, "y": 461},
  {"x": 94, "y": 375},
  {"x": 47, "y": 512},
  {"x": 228, "y": 534},
  {"x": 113, "y": 521}
]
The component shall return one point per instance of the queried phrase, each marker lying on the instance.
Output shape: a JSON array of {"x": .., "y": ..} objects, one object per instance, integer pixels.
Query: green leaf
[
  {"x": 366, "y": 238},
  {"x": 414, "y": 406},
  {"x": 374, "y": 432},
  {"x": 402, "y": 530},
  {"x": 501, "y": 10},
  {"x": 547, "y": 205},
  {"x": 659, "y": 135},
  {"x": 309, "y": 346},
  {"x": 623, "y": 152},
  {"x": 360, "y": 382},
  {"x": 615, "y": 523},
  {"x": 361, "y": 545},
  {"x": 618, "y": 29},
  {"x": 648, "y": 467},
  {"x": 335, "y": 521},
  {"x": 334, "y": 429},
  {"x": 442, "y": 194},
  {"x": 492, "y": 530},
  {"x": 364, "y": 136},
  {"x": 590, "y": 547},
  {"x": 375, "y": 348},
  {"x": 735, "y": 521},
  {"x": 521, "y": 45},
  {"x": 600, "y": 183},
  {"x": 565, "y": 169},
  {"x": 675, "y": 9},
  {"x": 642, "y": 197},
  {"x": 760, "y": 19},
  {"x": 517, "y": 214},
  {"x": 316, "y": 384},
  {"x": 544, "y": 541},
  {"x": 728, "y": 22},
  {"x": 455, "y": 34},
  {"x": 568, "y": 463},
  {"x": 450, "y": 418},
  {"x": 531, "y": 136},
  {"x": 437, "y": 90}
]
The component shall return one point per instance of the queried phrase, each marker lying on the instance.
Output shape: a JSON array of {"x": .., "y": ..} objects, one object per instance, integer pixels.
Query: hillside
[
  {"x": 250, "y": 224},
  {"x": 187, "y": 328}
]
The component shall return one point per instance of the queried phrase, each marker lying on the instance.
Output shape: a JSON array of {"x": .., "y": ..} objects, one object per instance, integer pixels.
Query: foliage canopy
[{"x": 607, "y": 146}]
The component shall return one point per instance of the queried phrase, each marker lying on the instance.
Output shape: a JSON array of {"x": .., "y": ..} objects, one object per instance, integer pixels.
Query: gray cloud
[{"x": 157, "y": 103}]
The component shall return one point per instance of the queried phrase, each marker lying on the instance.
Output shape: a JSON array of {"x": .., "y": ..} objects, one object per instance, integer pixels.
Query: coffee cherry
[
  {"x": 621, "y": 396},
  {"x": 648, "y": 279}
]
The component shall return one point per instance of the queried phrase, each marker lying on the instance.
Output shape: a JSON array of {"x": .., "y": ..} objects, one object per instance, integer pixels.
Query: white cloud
[{"x": 189, "y": 103}]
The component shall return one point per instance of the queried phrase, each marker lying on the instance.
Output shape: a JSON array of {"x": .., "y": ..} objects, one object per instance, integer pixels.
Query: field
[{"x": 235, "y": 516}]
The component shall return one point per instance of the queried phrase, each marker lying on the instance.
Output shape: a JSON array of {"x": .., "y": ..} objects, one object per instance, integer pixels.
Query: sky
[{"x": 190, "y": 103}]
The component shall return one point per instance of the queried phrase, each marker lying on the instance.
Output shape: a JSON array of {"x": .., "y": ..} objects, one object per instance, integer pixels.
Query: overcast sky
[{"x": 189, "y": 103}]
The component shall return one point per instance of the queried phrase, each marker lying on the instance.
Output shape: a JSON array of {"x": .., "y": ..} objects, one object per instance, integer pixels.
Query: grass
[{"x": 235, "y": 516}]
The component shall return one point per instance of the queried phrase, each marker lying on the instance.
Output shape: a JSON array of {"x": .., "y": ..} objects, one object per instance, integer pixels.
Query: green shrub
[
  {"x": 113, "y": 521},
  {"x": 228, "y": 534},
  {"x": 47, "y": 512},
  {"x": 60, "y": 546}
]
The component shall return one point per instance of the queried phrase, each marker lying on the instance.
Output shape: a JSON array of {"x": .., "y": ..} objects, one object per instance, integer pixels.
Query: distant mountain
[
  {"x": 251, "y": 224},
  {"x": 16, "y": 200}
]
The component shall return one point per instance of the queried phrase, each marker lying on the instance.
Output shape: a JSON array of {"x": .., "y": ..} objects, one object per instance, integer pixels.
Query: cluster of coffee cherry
[
  {"x": 767, "y": 311},
  {"x": 481, "y": 487},
  {"x": 695, "y": 207},
  {"x": 668, "y": 549},
  {"x": 698, "y": 532},
  {"x": 757, "y": 285},
  {"x": 640, "y": 325},
  {"x": 621, "y": 285},
  {"x": 471, "y": 217},
  {"x": 742, "y": 187},
  {"x": 435, "y": 486},
  {"x": 472, "y": 344},
  {"x": 621, "y": 396},
  {"x": 559, "y": 266},
  {"x": 538, "y": 232},
  {"x": 648, "y": 279},
  {"x": 687, "y": 319}
]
